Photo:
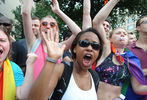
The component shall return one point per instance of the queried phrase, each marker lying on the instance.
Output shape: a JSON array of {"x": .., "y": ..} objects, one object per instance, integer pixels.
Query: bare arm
[
  {"x": 86, "y": 15},
  {"x": 22, "y": 92},
  {"x": 27, "y": 23},
  {"x": 101, "y": 17},
  {"x": 45, "y": 83},
  {"x": 137, "y": 87},
  {"x": 145, "y": 71},
  {"x": 75, "y": 29}
]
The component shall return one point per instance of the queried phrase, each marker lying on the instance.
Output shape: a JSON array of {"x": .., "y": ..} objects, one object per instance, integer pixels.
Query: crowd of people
[{"x": 91, "y": 63}]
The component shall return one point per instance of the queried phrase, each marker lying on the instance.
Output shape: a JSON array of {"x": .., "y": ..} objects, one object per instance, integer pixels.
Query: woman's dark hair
[{"x": 76, "y": 40}]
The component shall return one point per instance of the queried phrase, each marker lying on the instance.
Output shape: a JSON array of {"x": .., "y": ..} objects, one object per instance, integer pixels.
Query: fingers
[
  {"x": 51, "y": 6},
  {"x": 45, "y": 37},
  {"x": 56, "y": 38},
  {"x": 63, "y": 47},
  {"x": 52, "y": 34},
  {"x": 54, "y": 1},
  {"x": 31, "y": 57}
]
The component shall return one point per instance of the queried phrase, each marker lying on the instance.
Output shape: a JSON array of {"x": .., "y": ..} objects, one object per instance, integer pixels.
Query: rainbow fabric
[
  {"x": 134, "y": 63},
  {"x": 9, "y": 88}
]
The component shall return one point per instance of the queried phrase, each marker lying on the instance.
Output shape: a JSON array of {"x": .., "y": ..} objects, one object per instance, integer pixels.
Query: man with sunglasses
[{"x": 140, "y": 47}]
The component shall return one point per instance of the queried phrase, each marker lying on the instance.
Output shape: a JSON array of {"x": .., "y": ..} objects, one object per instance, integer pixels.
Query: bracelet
[
  {"x": 122, "y": 97},
  {"x": 51, "y": 60}
]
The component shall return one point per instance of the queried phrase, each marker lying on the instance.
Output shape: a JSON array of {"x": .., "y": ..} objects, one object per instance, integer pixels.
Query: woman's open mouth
[
  {"x": 1, "y": 51},
  {"x": 87, "y": 59}
]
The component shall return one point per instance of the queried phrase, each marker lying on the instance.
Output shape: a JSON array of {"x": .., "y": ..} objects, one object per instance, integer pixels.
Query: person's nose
[
  {"x": 122, "y": 35},
  {"x": 89, "y": 48}
]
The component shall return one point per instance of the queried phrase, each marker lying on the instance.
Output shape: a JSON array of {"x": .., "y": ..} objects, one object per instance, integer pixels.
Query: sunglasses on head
[
  {"x": 5, "y": 24},
  {"x": 52, "y": 24},
  {"x": 85, "y": 43}
]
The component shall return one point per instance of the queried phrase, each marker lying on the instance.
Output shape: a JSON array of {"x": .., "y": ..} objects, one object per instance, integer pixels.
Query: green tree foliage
[
  {"x": 74, "y": 9},
  {"x": 18, "y": 23}
]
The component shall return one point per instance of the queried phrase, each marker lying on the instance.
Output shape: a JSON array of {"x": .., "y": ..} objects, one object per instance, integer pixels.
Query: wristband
[
  {"x": 122, "y": 97},
  {"x": 51, "y": 60}
]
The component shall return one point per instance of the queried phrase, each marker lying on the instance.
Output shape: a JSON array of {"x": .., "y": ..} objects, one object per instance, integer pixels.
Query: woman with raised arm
[
  {"x": 73, "y": 81},
  {"x": 117, "y": 66},
  {"x": 48, "y": 25}
]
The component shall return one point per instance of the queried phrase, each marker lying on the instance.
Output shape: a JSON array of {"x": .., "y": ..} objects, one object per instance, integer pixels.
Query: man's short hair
[
  {"x": 35, "y": 18},
  {"x": 107, "y": 20}
]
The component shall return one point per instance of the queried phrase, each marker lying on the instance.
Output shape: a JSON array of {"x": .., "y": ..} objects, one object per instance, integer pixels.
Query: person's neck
[
  {"x": 142, "y": 38},
  {"x": 120, "y": 50},
  {"x": 142, "y": 41},
  {"x": 78, "y": 69}
]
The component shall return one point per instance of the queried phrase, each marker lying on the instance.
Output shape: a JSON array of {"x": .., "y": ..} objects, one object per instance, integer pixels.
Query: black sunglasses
[
  {"x": 85, "y": 43},
  {"x": 5, "y": 24}
]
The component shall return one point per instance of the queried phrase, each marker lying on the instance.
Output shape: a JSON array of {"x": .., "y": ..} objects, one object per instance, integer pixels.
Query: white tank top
[{"x": 73, "y": 92}]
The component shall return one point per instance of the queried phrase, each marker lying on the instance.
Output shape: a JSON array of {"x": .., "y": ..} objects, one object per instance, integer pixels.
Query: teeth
[{"x": 88, "y": 55}]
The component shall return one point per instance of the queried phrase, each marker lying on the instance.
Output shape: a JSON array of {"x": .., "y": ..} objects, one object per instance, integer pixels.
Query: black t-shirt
[{"x": 19, "y": 52}]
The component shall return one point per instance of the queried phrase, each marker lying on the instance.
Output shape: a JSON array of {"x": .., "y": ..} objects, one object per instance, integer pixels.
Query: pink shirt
[{"x": 40, "y": 61}]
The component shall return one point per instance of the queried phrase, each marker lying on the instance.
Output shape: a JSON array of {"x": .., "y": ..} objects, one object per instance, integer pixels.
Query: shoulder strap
[
  {"x": 35, "y": 45},
  {"x": 63, "y": 83},
  {"x": 95, "y": 77}
]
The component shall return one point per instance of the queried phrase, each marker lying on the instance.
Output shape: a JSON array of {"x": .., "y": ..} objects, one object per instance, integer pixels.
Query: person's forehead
[
  {"x": 47, "y": 19},
  {"x": 2, "y": 33},
  {"x": 105, "y": 22},
  {"x": 89, "y": 36},
  {"x": 36, "y": 21},
  {"x": 119, "y": 30}
]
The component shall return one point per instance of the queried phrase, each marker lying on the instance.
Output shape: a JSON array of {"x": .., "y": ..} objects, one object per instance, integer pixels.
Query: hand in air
[
  {"x": 31, "y": 58},
  {"x": 55, "y": 6},
  {"x": 51, "y": 40}
]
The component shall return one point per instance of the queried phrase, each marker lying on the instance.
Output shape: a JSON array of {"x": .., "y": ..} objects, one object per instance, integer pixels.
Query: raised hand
[
  {"x": 51, "y": 40},
  {"x": 55, "y": 6},
  {"x": 87, "y": 22},
  {"x": 31, "y": 58}
]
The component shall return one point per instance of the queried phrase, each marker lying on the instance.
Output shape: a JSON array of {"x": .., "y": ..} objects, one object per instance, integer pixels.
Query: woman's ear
[{"x": 138, "y": 28}]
